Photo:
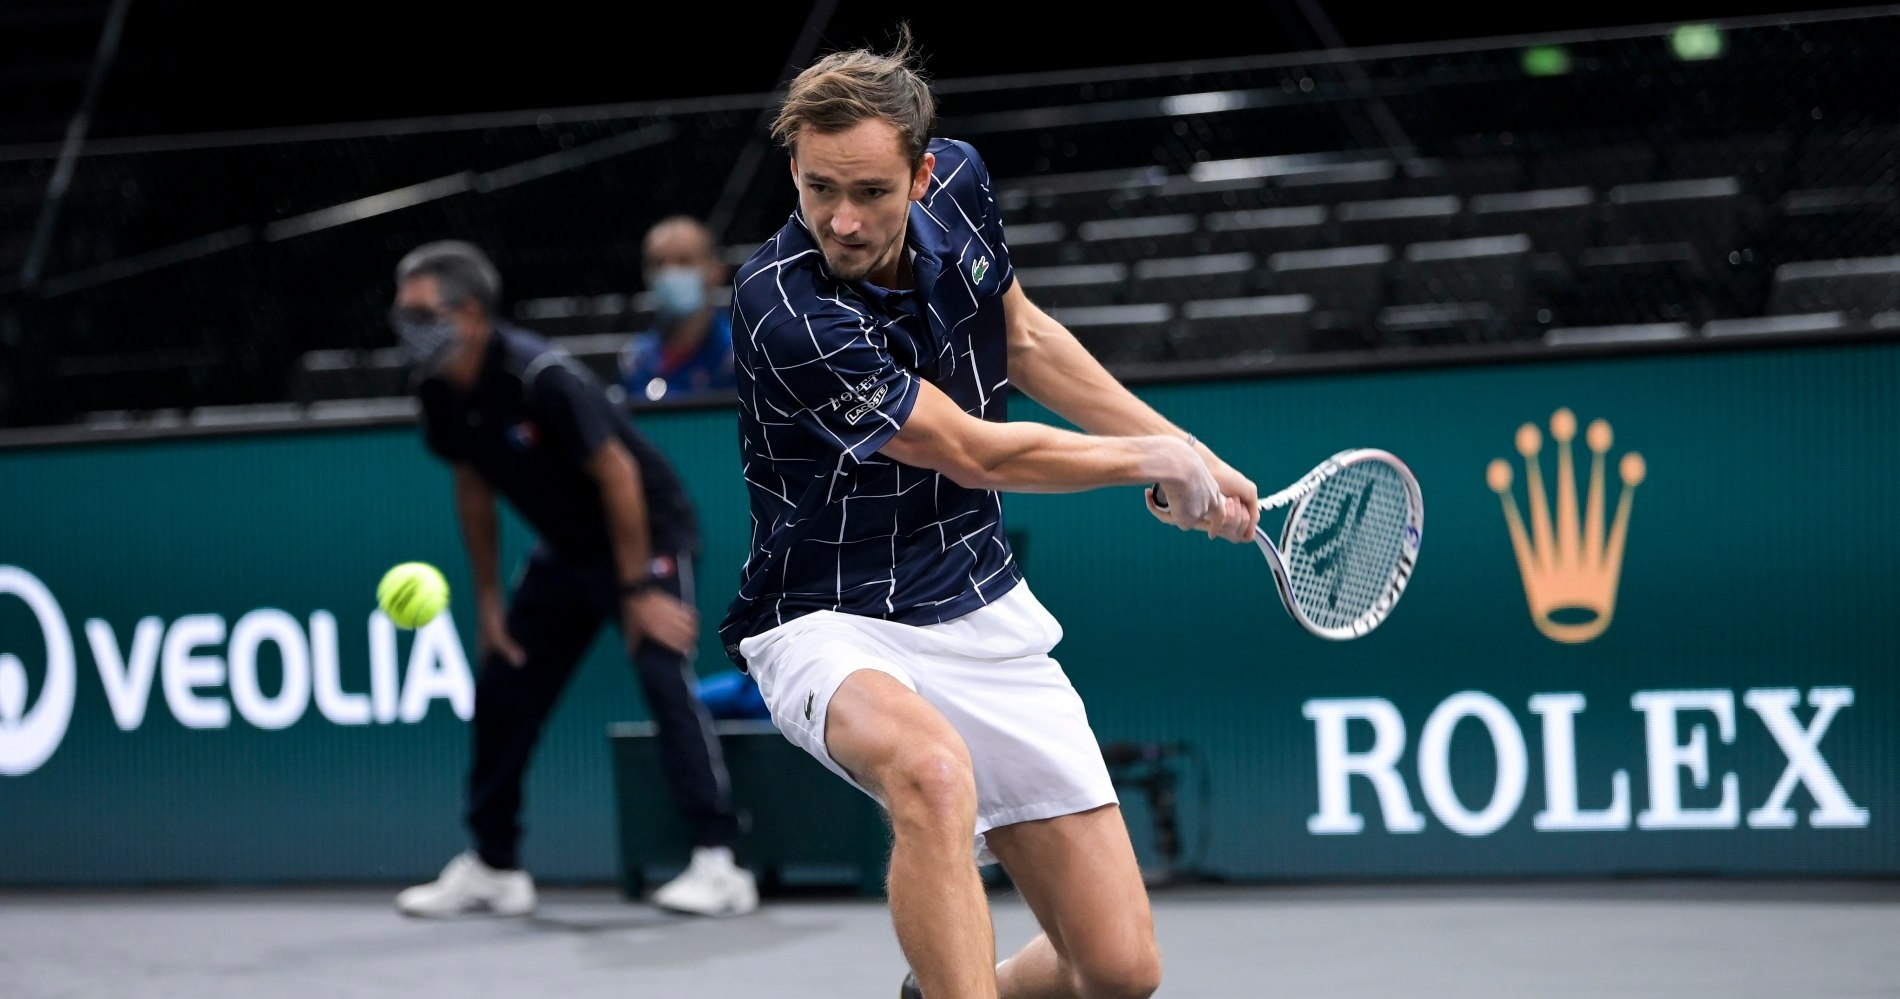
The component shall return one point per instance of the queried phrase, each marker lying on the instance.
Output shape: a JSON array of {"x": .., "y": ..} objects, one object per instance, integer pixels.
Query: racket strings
[{"x": 1345, "y": 543}]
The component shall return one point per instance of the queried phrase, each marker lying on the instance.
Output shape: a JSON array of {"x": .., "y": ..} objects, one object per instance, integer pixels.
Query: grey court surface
[{"x": 1645, "y": 938}]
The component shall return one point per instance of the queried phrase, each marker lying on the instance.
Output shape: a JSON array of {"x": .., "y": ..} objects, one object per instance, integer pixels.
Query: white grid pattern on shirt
[{"x": 811, "y": 482}]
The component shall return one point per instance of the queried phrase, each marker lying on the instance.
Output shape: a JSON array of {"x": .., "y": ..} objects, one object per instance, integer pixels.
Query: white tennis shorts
[{"x": 990, "y": 674}]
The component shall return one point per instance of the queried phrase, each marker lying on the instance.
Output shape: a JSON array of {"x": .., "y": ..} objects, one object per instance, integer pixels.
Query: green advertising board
[{"x": 1650, "y": 631}]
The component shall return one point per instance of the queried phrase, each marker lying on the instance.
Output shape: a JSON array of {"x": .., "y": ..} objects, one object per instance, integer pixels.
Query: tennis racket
[{"x": 1349, "y": 543}]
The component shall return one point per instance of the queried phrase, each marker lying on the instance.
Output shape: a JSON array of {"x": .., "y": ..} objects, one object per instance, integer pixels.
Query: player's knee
[
  {"x": 1132, "y": 974},
  {"x": 931, "y": 784}
]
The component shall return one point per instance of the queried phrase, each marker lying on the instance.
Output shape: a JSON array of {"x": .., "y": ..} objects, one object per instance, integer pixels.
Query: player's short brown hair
[{"x": 854, "y": 85}]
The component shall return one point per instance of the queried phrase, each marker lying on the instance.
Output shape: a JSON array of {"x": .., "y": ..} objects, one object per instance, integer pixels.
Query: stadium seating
[{"x": 1442, "y": 199}]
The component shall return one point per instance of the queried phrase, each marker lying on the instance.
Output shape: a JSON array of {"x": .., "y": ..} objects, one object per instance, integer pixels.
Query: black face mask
[{"x": 427, "y": 338}]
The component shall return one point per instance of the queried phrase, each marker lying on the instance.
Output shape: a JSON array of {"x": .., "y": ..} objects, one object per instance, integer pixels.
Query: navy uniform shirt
[
  {"x": 529, "y": 425},
  {"x": 828, "y": 371}
]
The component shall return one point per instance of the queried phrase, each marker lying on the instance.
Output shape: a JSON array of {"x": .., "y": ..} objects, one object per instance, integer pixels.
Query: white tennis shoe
[
  {"x": 468, "y": 886},
  {"x": 712, "y": 885}
]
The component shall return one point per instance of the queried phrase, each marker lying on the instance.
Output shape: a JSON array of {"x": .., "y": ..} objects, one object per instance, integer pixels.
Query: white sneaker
[
  {"x": 712, "y": 885},
  {"x": 468, "y": 885}
]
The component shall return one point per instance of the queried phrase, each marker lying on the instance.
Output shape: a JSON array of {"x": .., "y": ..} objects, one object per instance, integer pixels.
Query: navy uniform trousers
[{"x": 556, "y": 610}]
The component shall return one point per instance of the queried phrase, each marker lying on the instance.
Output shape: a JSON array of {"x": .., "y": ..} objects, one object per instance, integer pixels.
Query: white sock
[{"x": 721, "y": 855}]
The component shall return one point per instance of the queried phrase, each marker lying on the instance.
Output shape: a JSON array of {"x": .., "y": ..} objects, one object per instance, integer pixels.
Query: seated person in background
[{"x": 689, "y": 349}]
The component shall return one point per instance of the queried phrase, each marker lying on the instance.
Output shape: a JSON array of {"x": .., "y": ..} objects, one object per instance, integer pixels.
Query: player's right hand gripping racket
[{"x": 1350, "y": 540}]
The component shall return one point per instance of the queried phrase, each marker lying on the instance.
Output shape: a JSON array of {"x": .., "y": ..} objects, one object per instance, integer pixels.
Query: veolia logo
[
  {"x": 206, "y": 672},
  {"x": 28, "y": 736}
]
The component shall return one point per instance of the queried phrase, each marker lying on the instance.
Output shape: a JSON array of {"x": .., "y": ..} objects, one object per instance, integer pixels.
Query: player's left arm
[{"x": 1051, "y": 366}]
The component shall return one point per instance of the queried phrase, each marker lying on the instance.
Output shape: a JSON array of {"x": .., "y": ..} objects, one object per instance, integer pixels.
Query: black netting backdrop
[{"x": 1613, "y": 187}]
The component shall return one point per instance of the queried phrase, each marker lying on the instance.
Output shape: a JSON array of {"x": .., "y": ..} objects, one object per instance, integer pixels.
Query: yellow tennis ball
[{"x": 412, "y": 594}]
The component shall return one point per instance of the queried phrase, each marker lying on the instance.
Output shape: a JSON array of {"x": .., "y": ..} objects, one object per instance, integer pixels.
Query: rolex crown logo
[{"x": 1570, "y": 569}]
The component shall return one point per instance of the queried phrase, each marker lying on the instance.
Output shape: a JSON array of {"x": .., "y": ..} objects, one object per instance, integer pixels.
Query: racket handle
[{"x": 1161, "y": 498}]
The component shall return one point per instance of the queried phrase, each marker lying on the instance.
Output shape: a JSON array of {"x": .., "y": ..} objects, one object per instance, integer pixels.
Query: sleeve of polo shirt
[
  {"x": 572, "y": 410},
  {"x": 990, "y": 222},
  {"x": 434, "y": 416},
  {"x": 833, "y": 375}
]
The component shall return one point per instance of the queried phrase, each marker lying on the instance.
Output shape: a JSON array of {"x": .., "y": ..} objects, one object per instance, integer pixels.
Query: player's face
[{"x": 855, "y": 188}]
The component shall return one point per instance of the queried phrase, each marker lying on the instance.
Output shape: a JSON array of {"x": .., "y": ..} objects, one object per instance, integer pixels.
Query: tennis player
[{"x": 878, "y": 335}]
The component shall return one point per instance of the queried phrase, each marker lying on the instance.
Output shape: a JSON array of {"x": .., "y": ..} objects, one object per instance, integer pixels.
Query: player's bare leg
[
  {"x": 903, "y": 749},
  {"x": 1079, "y": 875}
]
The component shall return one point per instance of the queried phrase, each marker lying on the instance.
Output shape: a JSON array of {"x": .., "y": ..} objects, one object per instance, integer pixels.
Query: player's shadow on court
[
  {"x": 642, "y": 936},
  {"x": 584, "y": 923}
]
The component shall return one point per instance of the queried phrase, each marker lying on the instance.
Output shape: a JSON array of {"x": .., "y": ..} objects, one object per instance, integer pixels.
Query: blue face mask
[
  {"x": 427, "y": 340},
  {"x": 677, "y": 292}
]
